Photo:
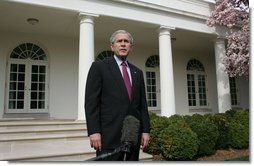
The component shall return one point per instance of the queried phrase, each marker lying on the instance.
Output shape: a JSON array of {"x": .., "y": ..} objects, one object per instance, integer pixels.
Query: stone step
[
  {"x": 36, "y": 130},
  {"x": 44, "y": 136},
  {"x": 46, "y": 140},
  {"x": 41, "y": 128},
  {"x": 74, "y": 150},
  {"x": 30, "y": 129},
  {"x": 43, "y": 149},
  {"x": 10, "y": 123}
]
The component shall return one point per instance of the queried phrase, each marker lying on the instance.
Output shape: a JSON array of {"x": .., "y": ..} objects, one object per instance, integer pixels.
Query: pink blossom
[{"x": 234, "y": 14}]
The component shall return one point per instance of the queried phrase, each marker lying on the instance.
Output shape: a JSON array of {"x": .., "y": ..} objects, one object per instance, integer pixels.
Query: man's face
[{"x": 122, "y": 45}]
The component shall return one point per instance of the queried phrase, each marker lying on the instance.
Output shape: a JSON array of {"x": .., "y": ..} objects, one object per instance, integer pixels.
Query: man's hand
[
  {"x": 145, "y": 138},
  {"x": 95, "y": 141}
]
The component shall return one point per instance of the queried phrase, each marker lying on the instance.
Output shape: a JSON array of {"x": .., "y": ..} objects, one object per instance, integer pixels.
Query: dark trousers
[{"x": 133, "y": 156}]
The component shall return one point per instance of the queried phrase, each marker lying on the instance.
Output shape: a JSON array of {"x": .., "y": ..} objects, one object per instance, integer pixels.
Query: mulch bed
[{"x": 220, "y": 155}]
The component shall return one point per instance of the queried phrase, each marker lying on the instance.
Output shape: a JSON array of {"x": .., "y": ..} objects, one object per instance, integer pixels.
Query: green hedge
[
  {"x": 172, "y": 139},
  {"x": 186, "y": 137},
  {"x": 206, "y": 131},
  {"x": 178, "y": 141},
  {"x": 222, "y": 123}
]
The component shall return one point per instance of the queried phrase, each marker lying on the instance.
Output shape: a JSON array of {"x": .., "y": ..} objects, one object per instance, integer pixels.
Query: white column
[
  {"x": 166, "y": 72},
  {"x": 86, "y": 57},
  {"x": 223, "y": 88}
]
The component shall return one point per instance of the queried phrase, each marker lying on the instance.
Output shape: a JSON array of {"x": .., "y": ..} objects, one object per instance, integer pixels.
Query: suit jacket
[{"x": 107, "y": 102}]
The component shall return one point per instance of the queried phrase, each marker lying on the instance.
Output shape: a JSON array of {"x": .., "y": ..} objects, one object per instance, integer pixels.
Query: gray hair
[{"x": 113, "y": 36}]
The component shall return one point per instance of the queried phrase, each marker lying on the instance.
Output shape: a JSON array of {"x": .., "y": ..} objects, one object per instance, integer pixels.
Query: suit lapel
[
  {"x": 117, "y": 76},
  {"x": 134, "y": 79}
]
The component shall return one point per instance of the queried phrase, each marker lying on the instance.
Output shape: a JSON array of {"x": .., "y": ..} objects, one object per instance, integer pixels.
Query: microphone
[
  {"x": 129, "y": 134},
  {"x": 130, "y": 130},
  {"x": 129, "y": 139}
]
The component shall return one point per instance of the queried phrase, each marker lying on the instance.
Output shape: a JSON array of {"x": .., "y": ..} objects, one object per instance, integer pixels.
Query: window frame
[{"x": 196, "y": 69}]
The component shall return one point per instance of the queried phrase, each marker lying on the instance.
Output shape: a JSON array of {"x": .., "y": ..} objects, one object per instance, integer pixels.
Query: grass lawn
[{"x": 244, "y": 158}]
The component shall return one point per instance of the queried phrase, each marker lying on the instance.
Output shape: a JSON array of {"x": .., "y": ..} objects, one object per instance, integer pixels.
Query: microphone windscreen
[{"x": 130, "y": 130}]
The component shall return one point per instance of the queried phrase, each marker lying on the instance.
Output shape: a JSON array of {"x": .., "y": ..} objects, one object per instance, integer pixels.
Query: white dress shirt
[{"x": 119, "y": 62}]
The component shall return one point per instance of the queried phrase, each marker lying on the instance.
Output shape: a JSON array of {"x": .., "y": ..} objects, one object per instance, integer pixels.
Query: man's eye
[{"x": 125, "y": 41}]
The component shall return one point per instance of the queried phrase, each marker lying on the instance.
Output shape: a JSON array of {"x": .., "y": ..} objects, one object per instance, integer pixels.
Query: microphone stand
[
  {"x": 103, "y": 156},
  {"x": 125, "y": 149}
]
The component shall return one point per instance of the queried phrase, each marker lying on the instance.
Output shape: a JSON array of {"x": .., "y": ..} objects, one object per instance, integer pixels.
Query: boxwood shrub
[
  {"x": 157, "y": 125},
  {"x": 172, "y": 139},
  {"x": 178, "y": 141},
  {"x": 178, "y": 138},
  {"x": 206, "y": 131},
  {"x": 222, "y": 123},
  {"x": 239, "y": 136}
]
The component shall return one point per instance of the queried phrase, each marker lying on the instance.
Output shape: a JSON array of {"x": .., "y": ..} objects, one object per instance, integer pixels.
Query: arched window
[
  {"x": 195, "y": 65},
  {"x": 196, "y": 82},
  {"x": 153, "y": 82},
  {"x": 104, "y": 55},
  {"x": 28, "y": 51},
  {"x": 27, "y": 80},
  {"x": 153, "y": 61}
]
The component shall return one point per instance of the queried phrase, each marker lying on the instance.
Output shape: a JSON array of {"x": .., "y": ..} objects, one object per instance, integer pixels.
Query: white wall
[
  {"x": 63, "y": 78},
  {"x": 180, "y": 60},
  {"x": 63, "y": 71},
  {"x": 63, "y": 67}
]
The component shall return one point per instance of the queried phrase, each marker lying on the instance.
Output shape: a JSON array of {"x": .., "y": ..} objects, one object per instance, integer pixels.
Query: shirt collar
[{"x": 119, "y": 61}]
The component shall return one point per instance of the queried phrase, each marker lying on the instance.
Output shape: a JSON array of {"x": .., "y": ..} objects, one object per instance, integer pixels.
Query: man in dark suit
[{"x": 108, "y": 100}]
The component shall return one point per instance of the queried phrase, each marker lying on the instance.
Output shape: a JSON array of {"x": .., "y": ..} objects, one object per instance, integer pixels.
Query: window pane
[
  {"x": 14, "y": 67},
  {"x": 42, "y": 86},
  {"x": 233, "y": 90},
  {"x": 153, "y": 81},
  {"x": 20, "y": 95},
  {"x": 41, "y": 78},
  {"x": 41, "y": 104},
  {"x": 12, "y": 105},
  {"x": 34, "y": 86},
  {"x": 20, "y": 104},
  {"x": 34, "y": 77},
  {"x": 41, "y": 95},
  {"x": 42, "y": 69},
  {"x": 21, "y": 77},
  {"x": 13, "y": 85},
  {"x": 22, "y": 68},
  {"x": 35, "y": 69},
  {"x": 13, "y": 77},
  {"x": 149, "y": 88},
  {"x": 33, "y": 95},
  {"x": 33, "y": 104},
  {"x": 21, "y": 86},
  {"x": 153, "y": 88},
  {"x": 12, "y": 95}
]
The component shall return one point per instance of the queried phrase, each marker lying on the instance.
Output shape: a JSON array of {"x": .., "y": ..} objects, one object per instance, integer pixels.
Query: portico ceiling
[{"x": 58, "y": 22}]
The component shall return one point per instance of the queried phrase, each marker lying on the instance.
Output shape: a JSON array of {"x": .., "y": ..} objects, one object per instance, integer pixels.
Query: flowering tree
[{"x": 234, "y": 14}]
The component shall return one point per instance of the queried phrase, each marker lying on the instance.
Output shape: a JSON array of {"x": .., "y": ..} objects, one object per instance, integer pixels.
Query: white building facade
[{"x": 47, "y": 47}]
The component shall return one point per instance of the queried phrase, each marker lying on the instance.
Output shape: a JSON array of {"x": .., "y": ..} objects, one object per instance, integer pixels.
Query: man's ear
[{"x": 131, "y": 48}]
